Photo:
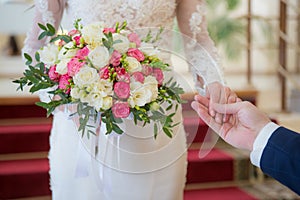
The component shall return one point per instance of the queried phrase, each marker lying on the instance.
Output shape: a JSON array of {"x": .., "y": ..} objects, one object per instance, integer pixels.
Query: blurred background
[{"x": 259, "y": 45}]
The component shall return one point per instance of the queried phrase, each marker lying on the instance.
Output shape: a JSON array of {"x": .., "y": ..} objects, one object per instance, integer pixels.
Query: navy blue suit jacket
[{"x": 281, "y": 158}]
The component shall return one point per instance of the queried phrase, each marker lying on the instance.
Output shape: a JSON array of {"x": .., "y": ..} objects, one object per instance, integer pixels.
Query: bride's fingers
[
  {"x": 203, "y": 113},
  {"x": 232, "y": 98},
  {"x": 203, "y": 100}
]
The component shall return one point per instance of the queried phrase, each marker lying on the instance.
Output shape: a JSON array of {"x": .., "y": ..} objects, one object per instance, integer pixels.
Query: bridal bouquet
[{"x": 106, "y": 71}]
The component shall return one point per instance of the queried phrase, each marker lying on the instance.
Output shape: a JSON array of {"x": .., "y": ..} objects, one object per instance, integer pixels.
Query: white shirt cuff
[{"x": 261, "y": 141}]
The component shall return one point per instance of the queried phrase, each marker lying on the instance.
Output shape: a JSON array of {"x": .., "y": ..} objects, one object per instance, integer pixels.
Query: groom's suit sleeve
[{"x": 281, "y": 158}]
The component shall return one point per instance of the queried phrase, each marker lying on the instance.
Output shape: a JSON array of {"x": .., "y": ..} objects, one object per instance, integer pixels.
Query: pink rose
[
  {"x": 82, "y": 53},
  {"x": 115, "y": 58},
  {"x": 147, "y": 70},
  {"x": 133, "y": 37},
  {"x": 158, "y": 74},
  {"x": 138, "y": 76},
  {"x": 77, "y": 39},
  {"x": 109, "y": 30},
  {"x": 122, "y": 89},
  {"x": 104, "y": 72},
  {"x": 121, "y": 110},
  {"x": 53, "y": 75},
  {"x": 73, "y": 66},
  {"x": 64, "y": 83},
  {"x": 137, "y": 54}
]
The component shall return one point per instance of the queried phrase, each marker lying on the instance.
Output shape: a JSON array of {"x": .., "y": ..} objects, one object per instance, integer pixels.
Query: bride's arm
[
  {"x": 46, "y": 11},
  {"x": 201, "y": 52}
]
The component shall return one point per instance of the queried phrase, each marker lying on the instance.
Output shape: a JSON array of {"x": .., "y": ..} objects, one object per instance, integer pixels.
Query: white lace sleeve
[
  {"x": 45, "y": 12},
  {"x": 200, "y": 50}
]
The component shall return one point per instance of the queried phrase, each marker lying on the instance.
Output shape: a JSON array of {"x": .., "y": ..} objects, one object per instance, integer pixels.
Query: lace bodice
[{"x": 200, "y": 50}]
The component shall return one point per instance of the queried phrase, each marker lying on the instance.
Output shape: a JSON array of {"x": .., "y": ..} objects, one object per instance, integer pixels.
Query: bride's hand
[{"x": 218, "y": 93}]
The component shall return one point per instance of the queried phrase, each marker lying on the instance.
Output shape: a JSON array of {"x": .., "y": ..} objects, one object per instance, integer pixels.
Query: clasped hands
[{"x": 235, "y": 121}]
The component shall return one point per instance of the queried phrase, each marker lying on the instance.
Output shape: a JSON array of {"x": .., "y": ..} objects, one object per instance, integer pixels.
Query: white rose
[
  {"x": 139, "y": 95},
  {"x": 133, "y": 65},
  {"x": 62, "y": 67},
  {"x": 99, "y": 56},
  {"x": 86, "y": 76},
  {"x": 93, "y": 34},
  {"x": 107, "y": 103},
  {"x": 151, "y": 83},
  {"x": 123, "y": 45},
  {"x": 49, "y": 54},
  {"x": 67, "y": 51}
]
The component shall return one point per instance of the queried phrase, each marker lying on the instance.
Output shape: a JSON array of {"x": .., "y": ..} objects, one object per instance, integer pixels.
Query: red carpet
[
  {"x": 208, "y": 169},
  {"x": 24, "y": 178},
  {"x": 195, "y": 129},
  {"x": 13, "y": 111},
  {"x": 24, "y": 138},
  {"x": 28, "y": 178},
  {"x": 229, "y": 193}
]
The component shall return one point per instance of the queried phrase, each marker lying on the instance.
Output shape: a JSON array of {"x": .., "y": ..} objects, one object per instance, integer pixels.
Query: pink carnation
[
  {"x": 77, "y": 39},
  {"x": 138, "y": 76},
  {"x": 147, "y": 70},
  {"x": 73, "y": 32},
  {"x": 109, "y": 30},
  {"x": 115, "y": 58},
  {"x": 133, "y": 37},
  {"x": 122, "y": 75},
  {"x": 137, "y": 54},
  {"x": 121, "y": 110},
  {"x": 158, "y": 74},
  {"x": 53, "y": 75},
  {"x": 73, "y": 66},
  {"x": 122, "y": 89},
  {"x": 104, "y": 72},
  {"x": 82, "y": 53},
  {"x": 64, "y": 83}
]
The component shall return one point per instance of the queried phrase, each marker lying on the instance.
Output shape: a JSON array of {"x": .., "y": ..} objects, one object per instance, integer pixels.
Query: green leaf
[
  {"x": 42, "y": 27},
  {"x": 42, "y": 35},
  {"x": 167, "y": 132},
  {"x": 117, "y": 129},
  {"x": 51, "y": 29},
  {"x": 155, "y": 130}
]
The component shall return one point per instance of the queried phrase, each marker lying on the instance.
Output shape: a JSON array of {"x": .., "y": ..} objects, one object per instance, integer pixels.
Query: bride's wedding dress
[{"x": 134, "y": 166}]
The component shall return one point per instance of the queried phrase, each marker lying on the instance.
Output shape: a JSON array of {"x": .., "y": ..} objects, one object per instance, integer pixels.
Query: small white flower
[
  {"x": 148, "y": 49},
  {"x": 123, "y": 45},
  {"x": 133, "y": 65},
  {"x": 86, "y": 76},
  {"x": 76, "y": 93},
  {"x": 105, "y": 87},
  {"x": 99, "y": 56},
  {"x": 95, "y": 100},
  {"x": 61, "y": 67},
  {"x": 49, "y": 54}
]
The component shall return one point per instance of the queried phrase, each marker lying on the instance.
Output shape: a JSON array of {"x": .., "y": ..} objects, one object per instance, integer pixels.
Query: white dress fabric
[{"x": 133, "y": 166}]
